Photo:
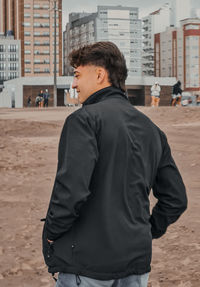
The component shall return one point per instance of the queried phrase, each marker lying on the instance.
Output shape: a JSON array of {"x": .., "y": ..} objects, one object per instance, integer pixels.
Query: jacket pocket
[{"x": 48, "y": 250}]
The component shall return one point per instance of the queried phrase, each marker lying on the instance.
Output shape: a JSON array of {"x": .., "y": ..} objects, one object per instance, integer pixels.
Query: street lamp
[{"x": 55, "y": 62}]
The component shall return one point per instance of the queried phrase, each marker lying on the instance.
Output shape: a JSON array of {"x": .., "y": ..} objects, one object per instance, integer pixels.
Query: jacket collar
[{"x": 103, "y": 94}]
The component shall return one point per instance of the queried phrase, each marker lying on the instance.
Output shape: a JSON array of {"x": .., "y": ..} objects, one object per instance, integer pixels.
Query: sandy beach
[{"x": 28, "y": 160}]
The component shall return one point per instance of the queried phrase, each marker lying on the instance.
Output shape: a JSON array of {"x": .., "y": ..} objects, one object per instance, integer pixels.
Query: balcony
[{"x": 41, "y": 44}]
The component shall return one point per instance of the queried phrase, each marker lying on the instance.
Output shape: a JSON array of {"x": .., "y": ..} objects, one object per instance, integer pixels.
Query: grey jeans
[{"x": 72, "y": 280}]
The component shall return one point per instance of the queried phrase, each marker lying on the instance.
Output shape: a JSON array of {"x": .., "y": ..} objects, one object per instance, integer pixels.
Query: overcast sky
[{"x": 145, "y": 6}]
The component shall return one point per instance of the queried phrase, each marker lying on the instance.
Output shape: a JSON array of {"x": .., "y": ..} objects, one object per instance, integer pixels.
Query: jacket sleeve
[
  {"x": 77, "y": 156},
  {"x": 170, "y": 191}
]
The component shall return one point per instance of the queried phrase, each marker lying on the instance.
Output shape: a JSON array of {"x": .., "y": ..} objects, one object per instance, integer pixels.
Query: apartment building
[
  {"x": 32, "y": 22},
  {"x": 10, "y": 59},
  {"x": 155, "y": 22},
  {"x": 180, "y": 10},
  {"x": 177, "y": 54},
  {"x": 110, "y": 23}
]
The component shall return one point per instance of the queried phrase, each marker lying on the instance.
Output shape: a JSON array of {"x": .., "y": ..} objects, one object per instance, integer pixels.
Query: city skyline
[{"x": 145, "y": 6}]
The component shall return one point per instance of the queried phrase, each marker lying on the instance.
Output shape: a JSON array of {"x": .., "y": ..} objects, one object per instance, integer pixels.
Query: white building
[
  {"x": 177, "y": 54},
  {"x": 180, "y": 11},
  {"x": 156, "y": 22},
  {"x": 111, "y": 23},
  {"x": 10, "y": 59}
]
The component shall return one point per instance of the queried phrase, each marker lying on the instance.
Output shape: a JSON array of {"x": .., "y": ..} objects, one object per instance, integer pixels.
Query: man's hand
[{"x": 50, "y": 241}]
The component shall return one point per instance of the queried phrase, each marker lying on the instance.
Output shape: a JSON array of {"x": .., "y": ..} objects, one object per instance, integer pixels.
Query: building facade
[
  {"x": 32, "y": 22},
  {"x": 10, "y": 59},
  {"x": 117, "y": 24},
  {"x": 180, "y": 10},
  {"x": 155, "y": 22},
  {"x": 177, "y": 54}
]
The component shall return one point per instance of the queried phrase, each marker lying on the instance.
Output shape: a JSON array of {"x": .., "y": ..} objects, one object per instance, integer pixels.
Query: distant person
[
  {"x": 29, "y": 102},
  {"x": 176, "y": 94},
  {"x": 198, "y": 100},
  {"x": 46, "y": 98},
  {"x": 155, "y": 95},
  {"x": 41, "y": 97},
  {"x": 37, "y": 101}
]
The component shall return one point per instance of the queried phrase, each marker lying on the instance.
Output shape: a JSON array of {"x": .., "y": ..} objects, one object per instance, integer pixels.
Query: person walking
[
  {"x": 98, "y": 229},
  {"x": 41, "y": 99},
  {"x": 46, "y": 98},
  {"x": 155, "y": 95},
  {"x": 176, "y": 94},
  {"x": 29, "y": 102}
]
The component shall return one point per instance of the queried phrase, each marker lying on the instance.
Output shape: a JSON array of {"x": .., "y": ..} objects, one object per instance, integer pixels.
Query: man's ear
[{"x": 102, "y": 75}]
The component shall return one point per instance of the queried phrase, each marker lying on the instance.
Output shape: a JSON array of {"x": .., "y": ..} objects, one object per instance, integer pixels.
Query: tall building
[
  {"x": 110, "y": 23},
  {"x": 10, "y": 59},
  {"x": 155, "y": 22},
  {"x": 177, "y": 54},
  {"x": 180, "y": 11},
  {"x": 32, "y": 22}
]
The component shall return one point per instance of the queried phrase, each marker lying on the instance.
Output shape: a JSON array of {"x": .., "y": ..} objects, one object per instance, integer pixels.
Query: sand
[{"x": 28, "y": 158}]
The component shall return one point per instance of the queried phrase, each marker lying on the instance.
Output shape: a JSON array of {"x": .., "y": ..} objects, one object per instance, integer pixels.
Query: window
[
  {"x": 12, "y": 48},
  {"x": 45, "y": 6},
  {"x": 12, "y": 66},
  {"x": 12, "y": 57},
  {"x": 27, "y": 43},
  {"x": 2, "y": 57},
  {"x": 46, "y": 43},
  {"x": 27, "y": 6},
  {"x": 27, "y": 52},
  {"x": 26, "y": 33},
  {"x": 46, "y": 16},
  {"x": 27, "y": 15},
  {"x": 2, "y": 66},
  {"x": 36, "y": 61},
  {"x": 2, "y": 75},
  {"x": 36, "y": 6},
  {"x": 12, "y": 75},
  {"x": 37, "y": 43},
  {"x": 36, "y": 15},
  {"x": 37, "y": 70},
  {"x": 26, "y": 24},
  {"x": 27, "y": 61},
  {"x": 36, "y": 33},
  {"x": 2, "y": 48},
  {"x": 27, "y": 70}
]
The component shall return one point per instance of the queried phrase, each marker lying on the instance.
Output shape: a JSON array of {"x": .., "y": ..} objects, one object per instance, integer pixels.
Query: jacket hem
[{"x": 100, "y": 276}]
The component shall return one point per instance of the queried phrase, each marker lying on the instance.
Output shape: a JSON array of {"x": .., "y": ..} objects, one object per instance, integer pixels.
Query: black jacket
[
  {"x": 110, "y": 156},
  {"x": 177, "y": 89}
]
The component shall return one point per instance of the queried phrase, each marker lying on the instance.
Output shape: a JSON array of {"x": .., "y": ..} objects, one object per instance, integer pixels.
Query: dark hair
[{"x": 103, "y": 54}]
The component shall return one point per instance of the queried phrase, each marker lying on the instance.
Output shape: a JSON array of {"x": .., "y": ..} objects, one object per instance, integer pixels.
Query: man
[
  {"x": 46, "y": 98},
  {"x": 98, "y": 229},
  {"x": 155, "y": 95}
]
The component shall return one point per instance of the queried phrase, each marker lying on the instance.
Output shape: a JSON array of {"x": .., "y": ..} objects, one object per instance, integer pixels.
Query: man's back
[{"x": 107, "y": 231}]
